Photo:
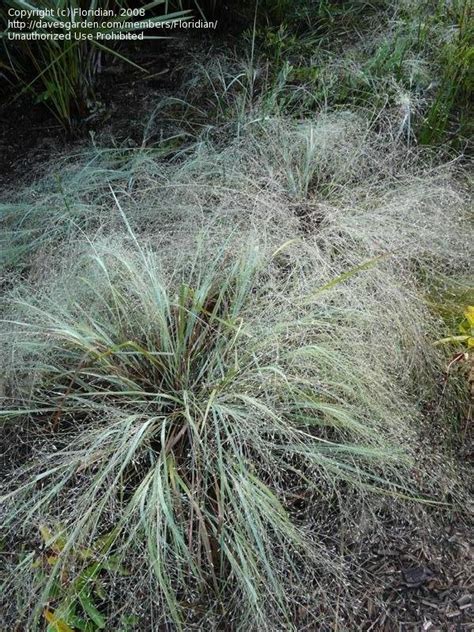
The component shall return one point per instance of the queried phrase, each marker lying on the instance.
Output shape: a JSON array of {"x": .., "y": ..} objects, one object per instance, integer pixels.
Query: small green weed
[{"x": 73, "y": 600}]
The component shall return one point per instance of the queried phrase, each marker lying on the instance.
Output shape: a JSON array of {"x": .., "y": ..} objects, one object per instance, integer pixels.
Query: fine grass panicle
[
  {"x": 341, "y": 171},
  {"x": 194, "y": 420},
  {"x": 72, "y": 196},
  {"x": 373, "y": 53}
]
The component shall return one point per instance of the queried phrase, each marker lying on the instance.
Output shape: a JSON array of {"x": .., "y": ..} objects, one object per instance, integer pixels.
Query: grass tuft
[{"x": 194, "y": 419}]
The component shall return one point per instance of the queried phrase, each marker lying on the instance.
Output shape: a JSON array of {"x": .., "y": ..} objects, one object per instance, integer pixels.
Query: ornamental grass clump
[
  {"x": 195, "y": 419},
  {"x": 215, "y": 363}
]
